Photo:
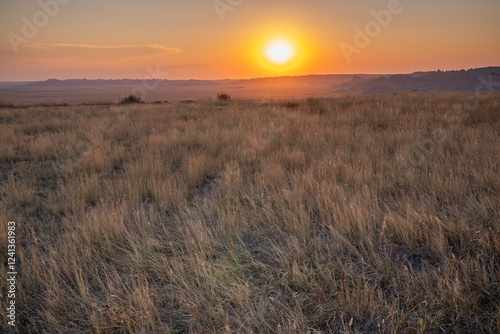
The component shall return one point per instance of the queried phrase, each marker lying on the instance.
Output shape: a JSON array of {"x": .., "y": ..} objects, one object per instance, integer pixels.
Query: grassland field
[{"x": 351, "y": 214}]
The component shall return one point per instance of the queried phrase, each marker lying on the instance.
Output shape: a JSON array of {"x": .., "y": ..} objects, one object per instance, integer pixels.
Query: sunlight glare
[{"x": 280, "y": 52}]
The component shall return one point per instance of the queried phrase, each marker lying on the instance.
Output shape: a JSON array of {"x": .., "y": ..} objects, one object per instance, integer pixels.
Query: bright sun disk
[{"x": 280, "y": 52}]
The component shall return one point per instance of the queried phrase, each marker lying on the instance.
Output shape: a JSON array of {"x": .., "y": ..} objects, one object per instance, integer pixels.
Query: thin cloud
[
  {"x": 104, "y": 53},
  {"x": 157, "y": 47}
]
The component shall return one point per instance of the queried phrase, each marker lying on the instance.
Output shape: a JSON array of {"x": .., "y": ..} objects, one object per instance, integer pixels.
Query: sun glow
[{"x": 280, "y": 52}]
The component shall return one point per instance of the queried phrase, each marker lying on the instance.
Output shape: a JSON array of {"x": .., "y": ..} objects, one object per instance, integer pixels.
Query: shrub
[
  {"x": 290, "y": 105},
  {"x": 224, "y": 97},
  {"x": 131, "y": 99}
]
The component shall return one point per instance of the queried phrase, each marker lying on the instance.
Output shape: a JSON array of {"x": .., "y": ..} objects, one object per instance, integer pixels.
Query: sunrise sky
[{"x": 200, "y": 39}]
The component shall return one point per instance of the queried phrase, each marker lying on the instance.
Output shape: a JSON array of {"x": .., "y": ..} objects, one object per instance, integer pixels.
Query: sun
[{"x": 280, "y": 52}]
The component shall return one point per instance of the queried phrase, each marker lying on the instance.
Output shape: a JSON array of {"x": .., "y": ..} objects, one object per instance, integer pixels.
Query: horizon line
[{"x": 254, "y": 78}]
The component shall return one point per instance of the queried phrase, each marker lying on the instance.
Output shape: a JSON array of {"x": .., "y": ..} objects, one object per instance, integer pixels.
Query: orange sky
[{"x": 206, "y": 39}]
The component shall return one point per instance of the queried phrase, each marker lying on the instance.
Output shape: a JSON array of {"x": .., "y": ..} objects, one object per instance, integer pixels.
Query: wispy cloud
[
  {"x": 116, "y": 52},
  {"x": 159, "y": 47}
]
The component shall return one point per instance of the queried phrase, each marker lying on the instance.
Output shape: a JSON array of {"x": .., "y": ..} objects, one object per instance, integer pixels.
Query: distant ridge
[
  {"x": 461, "y": 80},
  {"x": 289, "y": 80},
  {"x": 76, "y": 91},
  {"x": 478, "y": 79}
]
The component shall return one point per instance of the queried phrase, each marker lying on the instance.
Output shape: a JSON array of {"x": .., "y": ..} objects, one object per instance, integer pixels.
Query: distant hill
[
  {"x": 329, "y": 79},
  {"x": 84, "y": 91},
  {"x": 462, "y": 80},
  {"x": 286, "y": 87},
  {"x": 481, "y": 79}
]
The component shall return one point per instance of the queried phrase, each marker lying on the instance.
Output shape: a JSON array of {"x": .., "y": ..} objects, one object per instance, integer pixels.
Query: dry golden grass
[{"x": 349, "y": 214}]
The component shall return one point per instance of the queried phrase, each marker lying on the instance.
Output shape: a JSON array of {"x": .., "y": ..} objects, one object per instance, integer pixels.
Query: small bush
[
  {"x": 290, "y": 105},
  {"x": 131, "y": 99},
  {"x": 224, "y": 97}
]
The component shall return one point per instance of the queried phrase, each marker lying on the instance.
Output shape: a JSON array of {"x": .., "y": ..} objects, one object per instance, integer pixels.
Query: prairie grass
[{"x": 349, "y": 214}]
